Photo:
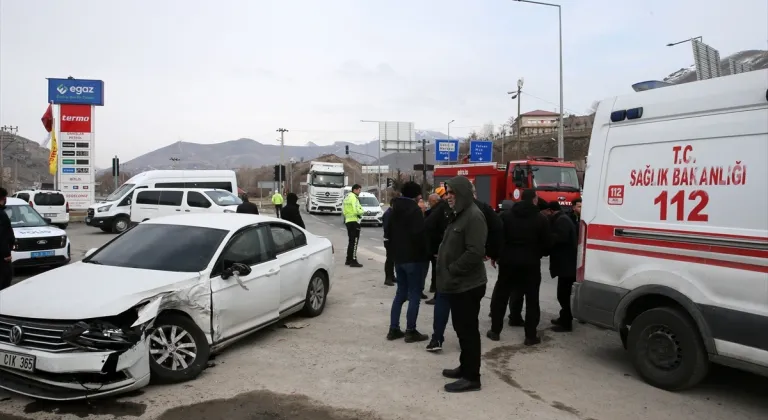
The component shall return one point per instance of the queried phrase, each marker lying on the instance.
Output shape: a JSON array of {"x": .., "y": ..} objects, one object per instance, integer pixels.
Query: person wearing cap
[
  {"x": 562, "y": 263},
  {"x": 527, "y": 238},
  {"x": 353, "y": 212}
]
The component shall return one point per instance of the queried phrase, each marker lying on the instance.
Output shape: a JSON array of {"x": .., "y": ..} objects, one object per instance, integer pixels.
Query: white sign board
[
  {"x": 79, "y": 199},
  {"x": 397, "y": 136},
  {"x": 268, "y": 184},
  {"x": 383, "y": 169}
]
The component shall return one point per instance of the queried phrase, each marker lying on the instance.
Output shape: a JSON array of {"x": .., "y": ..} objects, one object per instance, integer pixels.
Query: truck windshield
[
  {"x": 555, "y": 178},
  {"x": 328, "y": 180},
  {"x": 118, "y": 193}
]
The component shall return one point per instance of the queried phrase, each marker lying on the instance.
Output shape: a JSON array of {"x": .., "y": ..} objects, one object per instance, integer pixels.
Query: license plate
[
  {"x": 50, "y": 215},
  {"x": 39, "y": 254},
  {"x": 17, "y": 361}
]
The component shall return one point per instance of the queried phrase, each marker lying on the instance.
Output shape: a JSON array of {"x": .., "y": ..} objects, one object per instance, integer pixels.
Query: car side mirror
[
  {"x": 236, "y": 270},
  {"x": 47, "y": 220},
  {"x": 90, "y": 252}
]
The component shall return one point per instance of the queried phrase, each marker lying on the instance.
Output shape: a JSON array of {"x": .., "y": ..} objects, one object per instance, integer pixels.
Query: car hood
[
  {"x": 37, "y": 232},
  {"x": 81, "y": 291}
]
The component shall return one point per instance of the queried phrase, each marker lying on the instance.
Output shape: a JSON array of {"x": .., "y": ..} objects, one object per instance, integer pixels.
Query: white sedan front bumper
[{"x": 76, "y": 374}]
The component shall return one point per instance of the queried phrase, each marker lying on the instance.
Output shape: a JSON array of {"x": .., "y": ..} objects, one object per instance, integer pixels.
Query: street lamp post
[
  {"x": 449, "y": 128},
  {"x": 560, "y": 145},
  {"x": 516, "y": 95},
  {"x": 378, "y": 161},
  {"x": 672, "y": 44}
]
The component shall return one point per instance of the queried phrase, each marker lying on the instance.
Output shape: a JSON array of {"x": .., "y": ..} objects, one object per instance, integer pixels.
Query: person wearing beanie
[
  {"x": 408, "y": 247},
  {"x": 527, "y": 238}
]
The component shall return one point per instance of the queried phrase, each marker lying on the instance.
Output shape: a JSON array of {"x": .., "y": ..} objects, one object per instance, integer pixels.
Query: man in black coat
[
  {"x": 562, "y": 263},
  {"x": 291, "y": 211},
  {"x": 527, "y": 239},
  {"x": 7, "y": 239},
  {"x": 246, "y": 206},
  {"x": 389, "y": 263},
  {"x": 435, "y": 220}
]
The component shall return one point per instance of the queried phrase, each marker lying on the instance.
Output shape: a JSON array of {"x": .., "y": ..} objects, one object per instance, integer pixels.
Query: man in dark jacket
[
  {"x": 7, "y": 239},
  {"x": 436, "y": 221},
  {"x": 527, "y": 238},
  {"x": 461, "y": 276},
  {"x": 562, "y": 263},
  {"x": 246, "y": 206},
  {"x": 389, "y": 264},
  {"x": 291, "y": 211},
  {"x": 408, "y": 246}
]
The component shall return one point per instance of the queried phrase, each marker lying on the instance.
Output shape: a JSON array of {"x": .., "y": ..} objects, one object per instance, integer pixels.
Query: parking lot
[{"x": 339, "y": 366}]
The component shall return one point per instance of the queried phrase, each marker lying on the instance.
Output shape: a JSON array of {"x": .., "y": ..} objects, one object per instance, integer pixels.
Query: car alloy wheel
[
  {"x": 172, "y": 347},
  {"x": 316, "y": 293}
]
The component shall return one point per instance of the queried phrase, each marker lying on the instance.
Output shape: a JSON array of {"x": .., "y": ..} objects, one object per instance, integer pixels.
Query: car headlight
[
  {"x": 99, "y": 335},
  {"x": 104, "y": 208},
  {"x": 63, "y": 240}
]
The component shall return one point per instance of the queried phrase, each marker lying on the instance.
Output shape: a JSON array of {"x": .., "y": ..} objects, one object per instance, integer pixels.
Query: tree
[{"x": 487, "y": 131}]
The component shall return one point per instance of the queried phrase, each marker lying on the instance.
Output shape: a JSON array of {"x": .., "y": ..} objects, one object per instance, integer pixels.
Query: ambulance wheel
[
  {"x": 667, "y": 350},
  {"x": 121, "y": 224}
]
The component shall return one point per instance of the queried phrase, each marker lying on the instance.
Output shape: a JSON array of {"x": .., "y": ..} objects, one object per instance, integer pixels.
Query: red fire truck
[{"x": 553, "y": 179}]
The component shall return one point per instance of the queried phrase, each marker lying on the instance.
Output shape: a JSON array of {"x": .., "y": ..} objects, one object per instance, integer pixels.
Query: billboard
[
  {"x": 706, "y": 59},
  {"x": 76, "y": 91},
  {"x": 75, "y": 119},
  {"x": 398, "y": 136},
  {"x": 383, "y": 169},
  {"x": 76, "y": 153}
]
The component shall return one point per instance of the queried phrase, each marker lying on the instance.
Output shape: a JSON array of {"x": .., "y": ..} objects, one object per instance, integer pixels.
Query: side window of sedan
[
  {"x": 282, "y": 237},
  {"x": 247, "y": 247}
]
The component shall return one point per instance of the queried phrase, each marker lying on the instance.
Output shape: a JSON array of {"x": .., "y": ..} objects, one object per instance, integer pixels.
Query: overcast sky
[{"x": 211, "y": 71}]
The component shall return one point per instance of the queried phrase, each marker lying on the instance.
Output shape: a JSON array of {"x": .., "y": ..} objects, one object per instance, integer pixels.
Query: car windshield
[
  {"x": 328, "y": 180},
  {"x": 118, "y": 193},
  {"x": 161, "y": 247},
  {"x": 224, "y": 198},
  {"x": 368, "y": 201},
  {"x": 555, "y": 177},
  {"x": 24, "y": 216}
]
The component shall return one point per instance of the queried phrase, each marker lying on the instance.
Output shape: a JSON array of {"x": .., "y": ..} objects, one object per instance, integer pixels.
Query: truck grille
[
  {"x": 39, "y": 244},
  {"x": 38, "y": 335},
  {"x": 90, "y": 213},
  {"x": 329, "y": 199}
]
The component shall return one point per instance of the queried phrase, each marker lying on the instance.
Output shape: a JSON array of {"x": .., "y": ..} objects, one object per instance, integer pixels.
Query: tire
[
  {"x": 161, "y": 362},
  {"x": 63, "y": 225},
  {"x": 120, "y": 224},
  {"x": 317, "y": 295},
  {"x": 106, "y": 229},
  {"x": 671, "y": 330}
]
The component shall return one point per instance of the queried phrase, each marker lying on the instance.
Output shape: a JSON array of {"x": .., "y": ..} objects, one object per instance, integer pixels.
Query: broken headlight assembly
[{"x": 116, "y": 333}]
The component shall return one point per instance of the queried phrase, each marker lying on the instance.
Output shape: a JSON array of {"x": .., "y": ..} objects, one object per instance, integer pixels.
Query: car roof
[
  {"x": 12, "y": 201},
  {"x": 38, "y": 191},
  {"x": 225, "y": 221},
  {"x": 367, "y": 194},
  {"x": 180, "y": 189}
]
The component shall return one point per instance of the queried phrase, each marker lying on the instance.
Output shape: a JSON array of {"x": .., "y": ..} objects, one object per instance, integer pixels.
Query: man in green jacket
[
  {"x": 461, "y": 278},
  {"x": 277, "y": 200},
  {"x": 353, "y": 211}
]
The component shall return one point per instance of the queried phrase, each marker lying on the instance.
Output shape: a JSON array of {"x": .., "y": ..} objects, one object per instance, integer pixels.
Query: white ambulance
[{"x": 673, "y": 249}]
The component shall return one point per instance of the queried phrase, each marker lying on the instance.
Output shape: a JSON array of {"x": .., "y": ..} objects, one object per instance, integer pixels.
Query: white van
[
  {"x": 37, "y": 242},
  {"x": 151, "y": 203},
  {"x": 50, "y": 204},
  {"x": 673, "y": 249},
  {"x": 113, "y": 214}
]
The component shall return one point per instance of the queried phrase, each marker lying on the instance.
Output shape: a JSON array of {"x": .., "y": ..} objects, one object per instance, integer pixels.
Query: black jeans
[
  {"x": 516, "y": 306},
  {"x": 278, "y": 208},
  {"x": 564, "y": 285},
  {"x": 433, "y": 263},
  {"x": 6, "y": 274},
  {"x": 465, "y": 310},
  {"x": 389, "y": 264},
  {"x": 353, "y": 233},
  {"x": 521, "y": 280}
]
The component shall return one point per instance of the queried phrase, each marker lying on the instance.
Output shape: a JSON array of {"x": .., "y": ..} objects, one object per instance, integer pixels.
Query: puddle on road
[{"x": 264, "y": 405}]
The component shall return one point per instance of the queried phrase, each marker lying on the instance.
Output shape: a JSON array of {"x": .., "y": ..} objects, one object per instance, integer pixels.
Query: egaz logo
[{"x": 61, "y": 89}]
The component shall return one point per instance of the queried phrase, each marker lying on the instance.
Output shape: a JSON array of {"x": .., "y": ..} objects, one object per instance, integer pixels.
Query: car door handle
[
  {"x": 304, "y": 256},
  {"x": 273, "y": 271},
  {"x": 186, "y": 211},
  {"x": 178, "y": 210}
]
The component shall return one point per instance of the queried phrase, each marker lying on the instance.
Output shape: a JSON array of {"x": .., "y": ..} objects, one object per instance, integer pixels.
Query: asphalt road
[{"x": 339, "y": 366}]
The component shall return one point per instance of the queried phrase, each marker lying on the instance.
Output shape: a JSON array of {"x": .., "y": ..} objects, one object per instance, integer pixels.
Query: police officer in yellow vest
[
  {"x": 353, "y": 211},
  {"x": 277, "y": 200}
]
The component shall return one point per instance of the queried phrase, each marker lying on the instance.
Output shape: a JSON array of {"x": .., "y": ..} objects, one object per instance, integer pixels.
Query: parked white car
[
  {"x": 37, "y": 242},
  {"x": 156, "y": 302},
  {"x": 50, "y": 204}
]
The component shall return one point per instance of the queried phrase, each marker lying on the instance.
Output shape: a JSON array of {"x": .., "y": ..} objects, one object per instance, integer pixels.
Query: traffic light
[
  {"x": 346, "y": 148},
  {"x": 277, "y": 174},
  {"x": 390, "y": 182},
  {"x": 115, "y": 166}
]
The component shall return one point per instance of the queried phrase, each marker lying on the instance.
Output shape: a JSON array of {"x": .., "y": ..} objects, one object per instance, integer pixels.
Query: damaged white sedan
[{"x": 156, "y": 302}]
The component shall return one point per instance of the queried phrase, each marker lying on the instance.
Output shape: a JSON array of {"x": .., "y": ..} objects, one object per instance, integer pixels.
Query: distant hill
[
  {"x": 757, "y": 59},
  {"x": 26, "y": 156},
  {"x": 248, "y": 153}
]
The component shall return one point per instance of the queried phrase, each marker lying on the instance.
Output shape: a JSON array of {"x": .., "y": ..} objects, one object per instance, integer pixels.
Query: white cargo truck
[{"x": 325, "y": 184}]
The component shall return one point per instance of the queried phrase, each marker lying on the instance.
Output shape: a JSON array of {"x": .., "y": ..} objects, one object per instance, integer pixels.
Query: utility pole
[
  {"x": 282, "y": 132},
  {"x": 3, "y": 130},
  {"x": 424, "y": 169},
  {"x": 517, "y": 94},
  {"x": 173, "y": 161},
  {"x": 116, "y": 170}
]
